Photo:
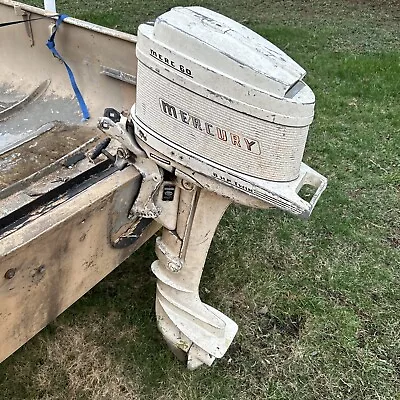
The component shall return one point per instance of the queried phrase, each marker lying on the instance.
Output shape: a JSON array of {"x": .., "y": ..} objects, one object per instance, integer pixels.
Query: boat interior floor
[
  {"x": 36, "y": 130},
  {"x": 43, "y": 143}
]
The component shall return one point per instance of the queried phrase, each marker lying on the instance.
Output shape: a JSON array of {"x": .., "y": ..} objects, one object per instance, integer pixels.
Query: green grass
[{"x": 317, "y": 302}]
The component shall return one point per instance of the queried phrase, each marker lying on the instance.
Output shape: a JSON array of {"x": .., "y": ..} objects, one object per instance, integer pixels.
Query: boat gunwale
[{"x": 72, "y": 21}]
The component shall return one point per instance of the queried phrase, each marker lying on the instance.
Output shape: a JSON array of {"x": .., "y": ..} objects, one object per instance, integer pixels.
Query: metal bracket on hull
[{"x": 26, "y": 16}]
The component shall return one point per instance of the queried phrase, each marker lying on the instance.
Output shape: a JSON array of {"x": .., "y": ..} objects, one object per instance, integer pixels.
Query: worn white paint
[
  {"x": 228, "y": 114},
  {"x": 238, "y": 100}
]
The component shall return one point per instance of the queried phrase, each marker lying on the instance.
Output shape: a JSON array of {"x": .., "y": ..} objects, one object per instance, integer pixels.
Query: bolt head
[{"x": 10, "y": 273}]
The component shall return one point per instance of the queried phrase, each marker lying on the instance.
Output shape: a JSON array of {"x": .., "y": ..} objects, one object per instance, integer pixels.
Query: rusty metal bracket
[{"x": 145, "y": 205}]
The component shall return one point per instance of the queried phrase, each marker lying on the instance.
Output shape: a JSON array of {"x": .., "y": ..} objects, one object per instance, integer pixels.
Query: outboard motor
[{"x": 221, "y": 115}]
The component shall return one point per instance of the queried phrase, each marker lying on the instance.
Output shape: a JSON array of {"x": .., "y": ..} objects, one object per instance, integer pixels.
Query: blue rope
[{"x": 52, "y": 47}]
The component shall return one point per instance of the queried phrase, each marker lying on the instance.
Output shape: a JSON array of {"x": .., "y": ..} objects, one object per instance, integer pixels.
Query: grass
[{"x": 317, "y": 302}]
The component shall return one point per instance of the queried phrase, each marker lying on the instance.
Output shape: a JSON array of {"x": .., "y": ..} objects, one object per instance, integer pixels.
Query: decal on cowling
[
  {"x": 224, "y": 135},
  {"x": 171, "y": 63}
]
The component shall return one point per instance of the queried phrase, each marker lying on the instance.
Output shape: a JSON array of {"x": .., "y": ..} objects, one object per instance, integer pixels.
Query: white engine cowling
[
  {"x": 227, "y": 114},
  {"x": 220, "y": 100}
]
